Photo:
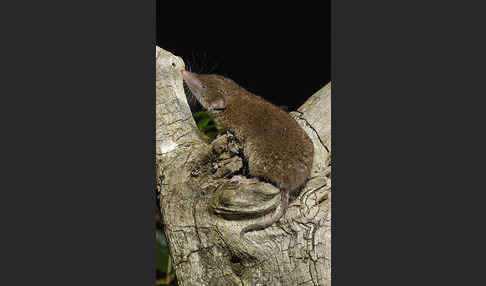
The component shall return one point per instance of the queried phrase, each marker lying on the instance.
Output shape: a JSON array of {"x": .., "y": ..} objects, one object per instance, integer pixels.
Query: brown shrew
[{"x": 274, "y": 144}]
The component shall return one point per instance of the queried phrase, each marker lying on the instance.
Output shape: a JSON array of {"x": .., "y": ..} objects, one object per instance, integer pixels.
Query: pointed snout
[{"x": 192, "y": 80}]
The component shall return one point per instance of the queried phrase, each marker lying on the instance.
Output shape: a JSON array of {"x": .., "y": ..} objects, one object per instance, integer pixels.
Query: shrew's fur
[{"x": 275, "y": 146}]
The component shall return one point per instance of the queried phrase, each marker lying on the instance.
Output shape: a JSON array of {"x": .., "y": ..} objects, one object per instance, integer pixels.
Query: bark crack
[
  {"x": 178, "y": 120},
  {"x": 301, "y": 117},
  {"x": 194, "y": 204}
]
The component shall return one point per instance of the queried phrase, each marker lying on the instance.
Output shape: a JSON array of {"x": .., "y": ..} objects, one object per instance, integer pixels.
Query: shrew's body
[{"x": 275, "y": 146}]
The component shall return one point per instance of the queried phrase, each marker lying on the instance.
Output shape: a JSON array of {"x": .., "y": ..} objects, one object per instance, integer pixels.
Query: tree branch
[{"x": 203, "y": 212}]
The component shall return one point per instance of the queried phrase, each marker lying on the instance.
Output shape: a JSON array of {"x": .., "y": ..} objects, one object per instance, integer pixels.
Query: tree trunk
[{"x": 203, "y": 213}]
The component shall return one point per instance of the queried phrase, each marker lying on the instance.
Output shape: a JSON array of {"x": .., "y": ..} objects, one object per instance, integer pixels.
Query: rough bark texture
[{"x": 203, "y": 212}]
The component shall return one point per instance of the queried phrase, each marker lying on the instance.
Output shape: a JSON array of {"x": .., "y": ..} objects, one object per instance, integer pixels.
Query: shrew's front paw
[{"x": 243, "y": 180}]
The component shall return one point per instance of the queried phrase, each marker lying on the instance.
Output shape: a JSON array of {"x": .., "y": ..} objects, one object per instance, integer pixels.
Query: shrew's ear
[{"x": 217, "y": 104}]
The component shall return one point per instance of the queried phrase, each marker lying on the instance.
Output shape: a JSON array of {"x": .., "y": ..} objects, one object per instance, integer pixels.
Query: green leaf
[
  {"x": 206, "y": 124},
  {"x": 212, "y": 134},
  {"x": 203, "y": 123},
  {"x": 161, "y": 252},
  {"x": 201, "y": 114}
]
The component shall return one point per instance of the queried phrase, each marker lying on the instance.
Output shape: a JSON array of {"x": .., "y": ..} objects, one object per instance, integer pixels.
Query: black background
[{"x": 283, "y": 56}]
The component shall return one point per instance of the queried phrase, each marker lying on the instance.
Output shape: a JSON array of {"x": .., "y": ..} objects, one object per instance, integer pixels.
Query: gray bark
[{"x": 203, "y": 213}]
